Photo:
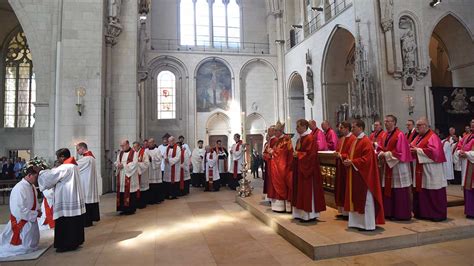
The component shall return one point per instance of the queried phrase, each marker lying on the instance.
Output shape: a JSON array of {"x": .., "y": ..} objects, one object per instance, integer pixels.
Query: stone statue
[
  {"x": 310, "y": 83},
  {"x": 409, "y": 49},
  {"x": 386, "y": 15},
  {"x": 143, "y": 43},
  {"x": 114, "y": 9}
]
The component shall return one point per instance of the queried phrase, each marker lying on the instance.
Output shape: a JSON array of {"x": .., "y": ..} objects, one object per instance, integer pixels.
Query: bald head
[
  {"x": 125, "y": 145},
  {"x": 172, "y": 140},
  {"x": 312, "y": 124},
  {"x": 422, "y": 125},
  {"x": 325, "y": 125},
  {"x": 151, "y": 142}
]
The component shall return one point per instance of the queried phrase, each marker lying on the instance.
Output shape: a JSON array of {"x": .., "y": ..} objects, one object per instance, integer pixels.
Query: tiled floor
[{"x": 211, "y": 229}]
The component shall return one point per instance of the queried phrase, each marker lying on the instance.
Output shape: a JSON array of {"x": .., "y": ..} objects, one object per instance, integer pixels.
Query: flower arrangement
[{"x": 36, "y": 161}]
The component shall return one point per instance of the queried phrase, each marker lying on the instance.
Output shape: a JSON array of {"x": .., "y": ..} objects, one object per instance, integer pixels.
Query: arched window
[
  {"x": 187, "y": 22},
  {"x": 195, "y": 21},
  {"x": 20, "y": 86},
  {"x": 202, "y": 23},
  {"x": 166, "y": 95},
  {"x": 233, "y": 25}
]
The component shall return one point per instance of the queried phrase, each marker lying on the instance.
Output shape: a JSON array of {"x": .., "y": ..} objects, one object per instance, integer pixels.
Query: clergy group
[{"x": 70, "y": 203}]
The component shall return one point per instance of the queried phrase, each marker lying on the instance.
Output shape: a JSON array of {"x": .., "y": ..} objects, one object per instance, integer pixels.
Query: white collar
[
  {"x": 348, "y": 135},
  {"x": 361, "y": 135},
  {"x": 307, "y": 132}
]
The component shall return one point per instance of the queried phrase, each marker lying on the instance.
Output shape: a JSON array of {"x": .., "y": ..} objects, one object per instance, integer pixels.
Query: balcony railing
[
  {"x": 329, "y": 13},
  {"x": 205, "y": 46}
]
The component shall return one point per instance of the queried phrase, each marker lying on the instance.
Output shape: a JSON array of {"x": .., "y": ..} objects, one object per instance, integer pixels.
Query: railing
[
  {"x": 329, "y": 12},
  {"x": 205, "y": 46}
]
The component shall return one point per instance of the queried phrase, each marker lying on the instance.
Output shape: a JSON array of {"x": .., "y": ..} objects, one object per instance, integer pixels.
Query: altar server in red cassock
[
  {"x": 429, "y": 183},
  {"x": 281, "y": 169},
  {"x": 308, "y": 184},
  {"x": 363, "y": 197},
  {"x": 395, "y": 158},
  {"x": 342, "y": 151}
]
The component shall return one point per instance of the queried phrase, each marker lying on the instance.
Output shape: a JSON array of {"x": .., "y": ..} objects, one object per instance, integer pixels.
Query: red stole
[
  {"x": 389, "y": 142},
  {"x": 126, "y": 196},
  {"x": 210, "y": 173},
  {"x": 181, "y": 172},
  {"x": 343, "y": 147},
  {"x": 173, "y": 167},
  {"x": 420, "y": 142},
  {"x": 49, "y": 214},
  {"x": 308, "y": 186},
  {"x": 18, "y": 226},
  {"x": 88, "y": 153},
  {"x": 236, "y": 162},
  {"x": 366, "y": 178},
  {"x": 141, "y": 153}
]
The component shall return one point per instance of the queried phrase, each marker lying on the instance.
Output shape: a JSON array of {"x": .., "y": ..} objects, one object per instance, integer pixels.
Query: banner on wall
[{"x": 453, "y": 107}]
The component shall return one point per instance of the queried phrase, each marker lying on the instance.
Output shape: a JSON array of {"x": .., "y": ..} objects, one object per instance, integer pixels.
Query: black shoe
[
  {"x": 365, "y": 230},
  {"x": 469, "y": 217},
  {"x": 436, "y": 220},
  {"x": 308, "y": 221}
]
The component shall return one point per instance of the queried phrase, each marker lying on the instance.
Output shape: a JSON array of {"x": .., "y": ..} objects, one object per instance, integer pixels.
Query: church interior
[{"x": 105, "y": 71}]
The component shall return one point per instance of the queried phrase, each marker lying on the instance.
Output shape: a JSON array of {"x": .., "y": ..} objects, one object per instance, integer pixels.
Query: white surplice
[
  {"x": 163, "y": 149},
  {"x": 196, "y": 159},
  {"x": 176, "y": 161},
  {"x": 209, "y": 163},
  {"x": 401, "y": 172},
  {"x": 448, "y": 165},
  {"x": 89, "y": 181},
  {"x": 433, "y": 173},
  {"x": 237, "y": 156},
  {"x": 68, "y": 194},
  {"x": 185, "y": 164},
  {"x": 130, "y": 170},
  {"x": 156, "y": 158},
  {"x": 463, "y": 162},
  {"x": 144, "y": 171},
  {"x": 22, "y": 199}
]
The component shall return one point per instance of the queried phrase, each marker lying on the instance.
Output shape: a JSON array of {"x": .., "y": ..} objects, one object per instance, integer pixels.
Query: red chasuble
[
  {"x": 268, "y": 169},
  {"x": 281, "y": 167},
  {"x": 18, "y": 226},
  {"x": 308, "y": 178},
  {"x": 363, "y": 158},
  {"x": 343, "y": 147},
  {"x": 126, "y": 195}
]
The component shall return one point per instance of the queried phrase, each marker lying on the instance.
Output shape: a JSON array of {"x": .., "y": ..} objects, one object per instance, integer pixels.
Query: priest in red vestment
[
  {"x": 395, "y": 159},
  {"x": 318, "y": 136},
  {"x": 342, "y": 151},
  {"x": 377, "y": 135},
  {"x": 411, "y": 130},
  {"x": 429, "y": 182},
  {"x": 268, "y": 190},
  {"x": 331, "y": 136},
  {"x": 281, "y": 170},
  {"x": 363, "y": 197},
  {"x": 308, "y": 200},
  {"x": 465, "y": 156}
]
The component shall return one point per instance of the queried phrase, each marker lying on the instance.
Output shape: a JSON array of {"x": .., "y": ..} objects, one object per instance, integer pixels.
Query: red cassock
[
  {"x": 268, "y": 173},
  {"x": 343, "y": 147},
  {"x": 366, "y": 178},
  {"x": 281, "y": 168},
  {"x": 307, "y": 176}
]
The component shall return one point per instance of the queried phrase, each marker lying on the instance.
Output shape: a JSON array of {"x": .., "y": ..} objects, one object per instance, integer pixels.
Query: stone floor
[{"x": 211, "y": 229}]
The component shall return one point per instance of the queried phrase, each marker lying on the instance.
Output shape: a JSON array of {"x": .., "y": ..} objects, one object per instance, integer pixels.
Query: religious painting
[
  {"x": 214, "y": 87},
  {"x": 453, "y": 106}
]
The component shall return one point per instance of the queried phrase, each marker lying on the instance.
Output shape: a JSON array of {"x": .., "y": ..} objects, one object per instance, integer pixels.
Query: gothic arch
[
  {"x": 218, "y": 124},
  {"x": 244, "y": 66},
  {"x": 455, "y": 16},
  {"x": 255, "y": 124},
  {"x": 336, "y": 71},
  {"x": 295, "y": 97}
]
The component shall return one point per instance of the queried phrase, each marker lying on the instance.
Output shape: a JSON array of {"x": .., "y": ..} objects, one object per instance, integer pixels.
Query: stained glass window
[
  {"x": 166, "y": 95},
  {"x": 20, "y": 86}
]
